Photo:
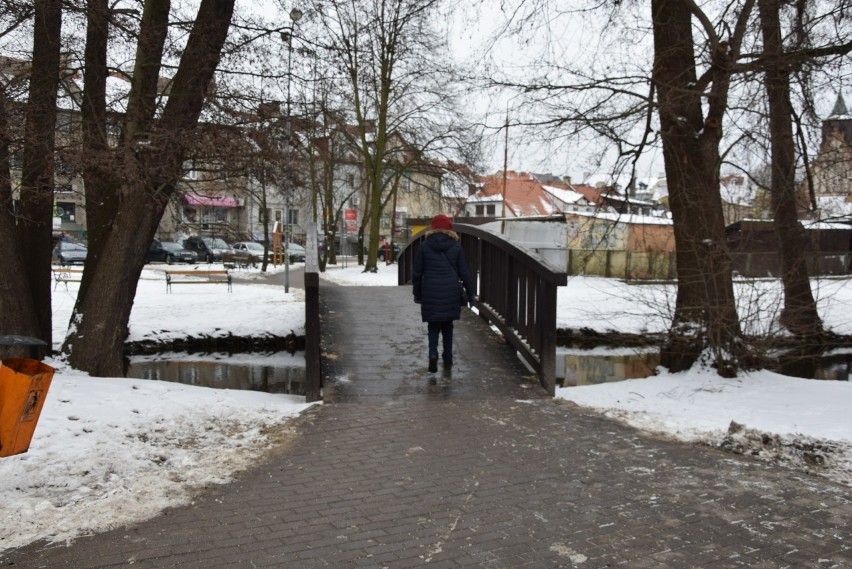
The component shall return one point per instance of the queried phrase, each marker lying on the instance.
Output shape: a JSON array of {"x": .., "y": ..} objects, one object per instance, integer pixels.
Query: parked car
[
  {"x": 296, "y": 252},
  {"x": 384, "y": 247},
  {"x": 208, "y": 249},
  {"x": 69, "y": 253},
  {"x": 246, "y": 253},
  {"x": 169, "y": 252}
]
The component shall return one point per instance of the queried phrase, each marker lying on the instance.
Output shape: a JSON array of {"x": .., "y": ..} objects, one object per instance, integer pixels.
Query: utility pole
[
  {"x": 295, "y": 16},
  {"x": 505, "y": 168}
]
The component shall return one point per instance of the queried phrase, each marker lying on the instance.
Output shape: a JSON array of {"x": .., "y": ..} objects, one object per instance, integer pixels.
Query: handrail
[
  {"x": 313, "y": 372},
  {"x": 517, "y": 294}
]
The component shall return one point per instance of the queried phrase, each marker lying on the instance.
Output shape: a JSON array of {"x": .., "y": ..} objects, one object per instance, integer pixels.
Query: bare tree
[
  {"x": 698, "y": 54},
  {"x": 800, "y": 314},
  {"x": 385, "y": 50},
  {"x": 28, "y": 271},
  {"x": 16, "y": 304},
  {"x": 617, "y": 101},
  {"x": 705, "y": 312},
  {"x": 150, "y": 156}
]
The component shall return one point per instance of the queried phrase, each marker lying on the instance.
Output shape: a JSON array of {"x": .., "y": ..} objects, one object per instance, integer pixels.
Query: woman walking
[{"x": 439, "y": 272}]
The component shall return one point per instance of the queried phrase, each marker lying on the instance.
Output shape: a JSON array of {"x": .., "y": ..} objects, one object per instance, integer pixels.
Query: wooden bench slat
[{"x": 200, "y": 277}]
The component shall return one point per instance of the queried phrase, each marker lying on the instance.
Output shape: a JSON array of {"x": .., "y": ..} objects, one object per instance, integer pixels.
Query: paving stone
[{"x": 474, "y": 468}]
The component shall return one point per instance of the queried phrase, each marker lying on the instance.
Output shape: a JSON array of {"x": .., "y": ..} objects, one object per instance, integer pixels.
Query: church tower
[
  {"x": 832, "y": 167},
  {"x": 838, "y": 124}
]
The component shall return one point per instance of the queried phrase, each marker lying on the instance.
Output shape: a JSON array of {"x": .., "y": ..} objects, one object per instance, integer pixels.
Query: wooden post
[{"x": 277, "y": 245}]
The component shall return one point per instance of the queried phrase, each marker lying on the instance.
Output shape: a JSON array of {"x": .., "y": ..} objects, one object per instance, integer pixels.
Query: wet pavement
[
  {"x": 375, "y": 350},
  {"x": 474, "y": 468}
]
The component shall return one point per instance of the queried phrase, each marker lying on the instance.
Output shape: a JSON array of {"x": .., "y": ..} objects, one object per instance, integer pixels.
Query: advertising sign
[{"x": 350, "y": 216}]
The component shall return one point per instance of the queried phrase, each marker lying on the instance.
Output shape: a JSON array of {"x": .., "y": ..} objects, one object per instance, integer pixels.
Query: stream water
[
  {"x": 283, "y": 372},
  {"x": 604, "y": 365},
  {"x": 280, "y": 372}
]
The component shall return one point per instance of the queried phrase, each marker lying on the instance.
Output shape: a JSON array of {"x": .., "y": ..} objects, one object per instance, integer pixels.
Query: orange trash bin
[{"x": 23, "y": 387}]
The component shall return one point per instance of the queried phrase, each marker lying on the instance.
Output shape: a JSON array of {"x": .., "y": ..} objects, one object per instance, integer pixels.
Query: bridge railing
[
  {"x": 313, "y": 375},
  {"x": 517, "y": 294}
]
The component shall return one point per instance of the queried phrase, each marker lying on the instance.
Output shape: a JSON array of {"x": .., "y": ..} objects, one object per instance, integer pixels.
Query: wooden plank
[{"x": 197, "y": 277}]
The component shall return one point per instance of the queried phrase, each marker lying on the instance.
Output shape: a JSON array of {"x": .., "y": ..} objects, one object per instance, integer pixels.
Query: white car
[{"x": 248, "y": 251}]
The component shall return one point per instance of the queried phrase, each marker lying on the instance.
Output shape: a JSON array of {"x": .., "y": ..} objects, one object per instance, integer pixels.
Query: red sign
[{"x": 350, "y": 216}]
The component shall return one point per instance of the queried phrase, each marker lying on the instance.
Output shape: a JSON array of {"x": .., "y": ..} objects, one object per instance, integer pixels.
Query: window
[
  {"x": 350, "y": 179},
  {"x": 489, "y": 210},
  {"x": 292, "y": 216},
  {"x": 262, "y": 214},
  {"x": 189, "y": 172},
  {"x": 480, "y": 209},
  {"x": 278, "y": 215},
  {"x": 65, "y": 211}
]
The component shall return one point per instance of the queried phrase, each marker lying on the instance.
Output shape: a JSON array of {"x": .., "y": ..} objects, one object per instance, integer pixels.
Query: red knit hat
[{"x": 441, "y": 221}]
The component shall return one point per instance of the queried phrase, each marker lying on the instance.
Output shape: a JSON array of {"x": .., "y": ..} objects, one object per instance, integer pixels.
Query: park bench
[
  {"x": 199, "y": 276},
  {"x": 65, "y": 275}
]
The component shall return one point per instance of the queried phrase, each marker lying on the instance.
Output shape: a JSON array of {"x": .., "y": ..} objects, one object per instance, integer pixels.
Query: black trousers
[{"x": 445, "y": 329}]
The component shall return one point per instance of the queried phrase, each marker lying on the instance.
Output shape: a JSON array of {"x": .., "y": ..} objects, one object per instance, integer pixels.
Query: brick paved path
[{"x": 474, "y": 470}]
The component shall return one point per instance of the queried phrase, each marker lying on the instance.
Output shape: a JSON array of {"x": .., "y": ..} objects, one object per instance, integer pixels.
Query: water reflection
[
  {"x": 278, "y": 373},
  {"x": 603, "y": 365},
  {"x": 833, "y": 366}
]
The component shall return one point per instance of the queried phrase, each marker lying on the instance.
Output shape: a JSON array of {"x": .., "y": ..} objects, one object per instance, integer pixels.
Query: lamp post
[{"x": 287, "y": 35}]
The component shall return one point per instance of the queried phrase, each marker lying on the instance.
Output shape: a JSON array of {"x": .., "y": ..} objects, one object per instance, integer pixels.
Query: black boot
[{"x": 433, "y": 364}]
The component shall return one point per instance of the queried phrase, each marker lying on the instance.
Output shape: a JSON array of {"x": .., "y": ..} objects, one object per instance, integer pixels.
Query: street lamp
[{"x": 287, "y": 36}]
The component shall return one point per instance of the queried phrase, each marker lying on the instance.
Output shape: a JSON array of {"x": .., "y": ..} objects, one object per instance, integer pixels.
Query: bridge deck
[{"x": 375, "y": 349}]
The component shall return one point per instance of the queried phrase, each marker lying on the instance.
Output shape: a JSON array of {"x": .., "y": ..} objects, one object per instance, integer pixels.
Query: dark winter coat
[{"x": 438, "y": 266}]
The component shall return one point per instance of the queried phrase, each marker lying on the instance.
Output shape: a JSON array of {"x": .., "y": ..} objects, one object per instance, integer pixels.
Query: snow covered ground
[{"x": 108, "y": 452}]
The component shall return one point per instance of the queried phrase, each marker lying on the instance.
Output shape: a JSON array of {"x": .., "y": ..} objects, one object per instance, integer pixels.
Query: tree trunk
[
  {"x": 800, "y": 314},
  {"x": 99, "y": 165},
  {"x": 375, "y": 218},
  {"x": 100, "y": 321},
  {"x": 101, "y": 315},
  {"x": 17, "y": 312},
  {"x": 705, "y": 314},
  {"x": 35, "y": 225}
]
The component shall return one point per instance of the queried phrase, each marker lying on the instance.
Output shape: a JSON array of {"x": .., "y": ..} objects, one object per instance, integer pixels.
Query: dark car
[
  {"x": 384, "y": 248},
  {"x": 296, "y": 252},
  {"x": 169, "y": 252},
  {"x": 69, "y": 253},
  {"x": 208, "y": 249}
]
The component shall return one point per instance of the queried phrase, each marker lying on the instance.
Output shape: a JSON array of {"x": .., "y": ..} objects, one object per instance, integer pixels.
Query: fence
[
  {"x": 627, "y": 265},
  {"x": 517, "y": 294}
]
